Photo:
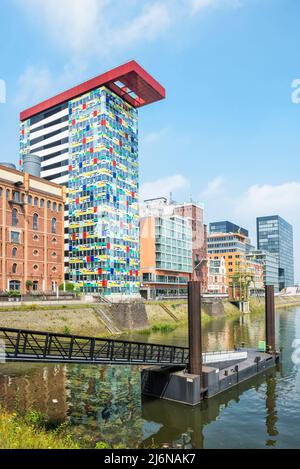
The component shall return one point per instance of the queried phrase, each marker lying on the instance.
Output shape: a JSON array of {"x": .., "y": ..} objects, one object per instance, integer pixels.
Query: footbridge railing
[{"x": 31, "y": 346}]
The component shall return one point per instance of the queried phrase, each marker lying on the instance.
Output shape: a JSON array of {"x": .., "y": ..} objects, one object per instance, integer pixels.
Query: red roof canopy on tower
[{"x": 129, "y": 81}]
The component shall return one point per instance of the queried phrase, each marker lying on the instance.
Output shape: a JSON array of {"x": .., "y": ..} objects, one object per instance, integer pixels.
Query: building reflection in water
[
  {"x": 185, "y": 426},
  {"x": 105, "y": 402},
  {"x": 224, "y": 334},
  {"x": 25, "y": 387},
  {"x": 271, "y": 415}
]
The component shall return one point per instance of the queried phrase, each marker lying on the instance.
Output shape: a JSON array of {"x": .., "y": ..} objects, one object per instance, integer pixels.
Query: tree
[{"x": 28, "y": 284}]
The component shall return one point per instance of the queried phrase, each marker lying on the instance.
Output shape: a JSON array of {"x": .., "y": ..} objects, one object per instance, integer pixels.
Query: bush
[
  {"x": 28, "y": 284},
  {"x": 101, "y": 445},
  {"x": 14, "y": 294},
  {"x": 35, "y": 418},
  {"x": 69, "y": 287},
  {"x": 67, "y": 330},
  {"x": 164, "y": 328}
]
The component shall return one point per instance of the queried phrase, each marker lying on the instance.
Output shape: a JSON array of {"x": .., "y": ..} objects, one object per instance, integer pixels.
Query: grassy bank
[
  {"x": 83, "y": 320},
  {"x": 71, "y": 319},
  {"x": 28, "y": 432},
  {"x": 31, "y": 431}
]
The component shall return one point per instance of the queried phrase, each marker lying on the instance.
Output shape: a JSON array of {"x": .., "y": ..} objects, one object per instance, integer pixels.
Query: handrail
[
  {"x": 27, "y": 345},
  {"x": 8, "y": 329}
]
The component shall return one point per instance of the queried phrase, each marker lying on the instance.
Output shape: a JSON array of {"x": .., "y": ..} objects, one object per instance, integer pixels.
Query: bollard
[
  {"x": 194, "y": 324},
  {"x": 270, "y": 318}
]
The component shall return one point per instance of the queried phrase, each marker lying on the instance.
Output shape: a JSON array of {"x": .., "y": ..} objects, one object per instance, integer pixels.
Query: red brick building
[
  {"x": 195, "y": 214},
  {"x": 31, "y": 232}
]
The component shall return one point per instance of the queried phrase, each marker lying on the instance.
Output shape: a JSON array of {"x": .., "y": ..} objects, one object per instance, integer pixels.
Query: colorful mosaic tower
[
  {"x": 87, "y": 139},
  {"x": 103, "y": 193}
]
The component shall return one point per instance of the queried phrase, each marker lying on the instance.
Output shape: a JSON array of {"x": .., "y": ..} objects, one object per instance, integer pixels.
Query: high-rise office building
[
  {"x": 87, "y": 139},
  {"x": 166, "y": 253},
  {"x": 227, "y": 227},
  {"x": 275, "y": 235},
  {"x": 233, "y": 247}
]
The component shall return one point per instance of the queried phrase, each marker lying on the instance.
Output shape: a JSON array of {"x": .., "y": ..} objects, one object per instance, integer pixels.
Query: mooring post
[
  {"x": 194, "y": 320},
  {"x": 270, "y": 318}
]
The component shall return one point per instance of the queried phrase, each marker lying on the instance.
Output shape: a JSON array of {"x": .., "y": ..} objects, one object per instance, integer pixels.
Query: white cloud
[
  {"x": 283, "y": 199},
  {"x": 98, "y": 26},
  {"x": 162, "y": 187},
  {"x": 37, "y": 83},
  {"x": 148, "y": 25},
  {"x": 33, "y": 85},
  {"x": 89, "y": 27},
  {"x": 71, "y": 23},
  {"x": 213, "y": 188}
]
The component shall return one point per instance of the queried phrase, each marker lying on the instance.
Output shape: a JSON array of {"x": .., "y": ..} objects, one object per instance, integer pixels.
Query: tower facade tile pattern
[{"x": 103, "y": 188}]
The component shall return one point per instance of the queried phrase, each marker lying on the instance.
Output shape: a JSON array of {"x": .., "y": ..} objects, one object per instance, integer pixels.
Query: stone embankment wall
[{"x": 128, "y": 315}]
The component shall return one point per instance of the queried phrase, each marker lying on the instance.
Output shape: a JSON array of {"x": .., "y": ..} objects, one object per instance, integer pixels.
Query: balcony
[{"x": 16, "y": 202}]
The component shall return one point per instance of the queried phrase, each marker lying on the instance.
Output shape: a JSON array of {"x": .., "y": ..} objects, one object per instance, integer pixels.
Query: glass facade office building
[
  {"x": 275, "y": 235},
  {"x": 173, "y": 244},
  {"x": 227, "y": 227},
  {"x": 270, "y": 265}
]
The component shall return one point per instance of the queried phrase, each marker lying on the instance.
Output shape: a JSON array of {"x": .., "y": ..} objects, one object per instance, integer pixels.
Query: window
[
  {"x": 15, "y": 237},
  {"x": 14, "y": 217},
  {"x": 59, "y": 207},
  {"x": 53, "y": 225},
  {"x": 35, "y": 285},
  {"x": 7, "y": 193},
  {"x": 14, "y": 268},
  {"x": 54, "y": 269},
  {"x": 48, "y": 204},
  {"x": 42, "y": 203},
  {"x": 14, "y": 252},
  {"x": 35, "y": 221},
  {"x": 15, "y": 285},
  {"x": 16, "y": 196},
  {"x": 35, "y": 252},
  {"x": 54, "y": 206},
  {"x": 29, "y": 200},
  {"x": 35, "y": 237},
  {"x": 36, "y": 202},
  {"x": 54, "y": 254},
  {"x": 54, "y": 240},
  {"x": 35, "y": 267}
]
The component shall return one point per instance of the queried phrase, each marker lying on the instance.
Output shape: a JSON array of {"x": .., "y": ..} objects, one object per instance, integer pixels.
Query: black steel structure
[
  {"x": 270, "y": 318},
  {"x": 31, "y": 346},
  {"x": 195, "y": 328}
]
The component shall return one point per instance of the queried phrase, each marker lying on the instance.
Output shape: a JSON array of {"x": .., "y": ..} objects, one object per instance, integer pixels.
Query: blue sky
[{"x": 228, "y": 132}]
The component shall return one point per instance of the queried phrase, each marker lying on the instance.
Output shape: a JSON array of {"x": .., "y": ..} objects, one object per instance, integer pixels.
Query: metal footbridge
[{"x": 31, "y": 346}]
